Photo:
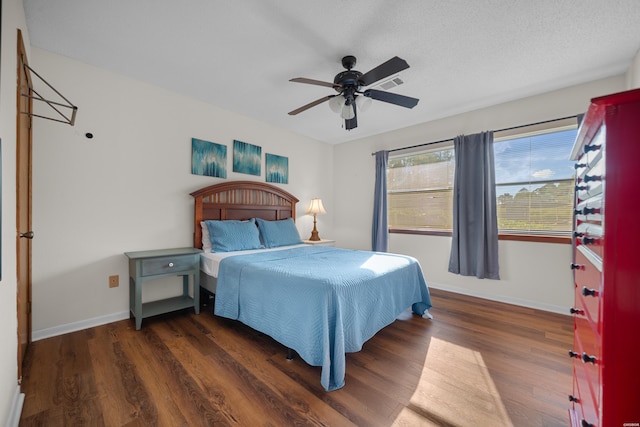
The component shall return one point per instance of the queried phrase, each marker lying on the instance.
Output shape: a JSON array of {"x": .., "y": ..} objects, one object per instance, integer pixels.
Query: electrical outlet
[{"x": 114, "y": 281}]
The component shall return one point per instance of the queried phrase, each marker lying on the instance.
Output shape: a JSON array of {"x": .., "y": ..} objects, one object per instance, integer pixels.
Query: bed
[{"x": 322, "y": 302}]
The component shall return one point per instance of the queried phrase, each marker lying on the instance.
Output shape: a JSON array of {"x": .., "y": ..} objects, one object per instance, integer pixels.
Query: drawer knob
[
  {"x": 587, "y": 211},
  {"x": 589, "y": 241},
  {"x": 588, "y": 148},
  {"x": 589, "y": 359},
  {"x": 170, "y": 264},
  {"x": 591, "y": 178},
  {"x": 577, "y": 267},
  {"x": 572, "y": 398},
  {"x": 586, "y": 423},
  {"x": 573, "y": 354},
  {"x": 589, "y": 292},
  {"x": 574, "y": 310}
]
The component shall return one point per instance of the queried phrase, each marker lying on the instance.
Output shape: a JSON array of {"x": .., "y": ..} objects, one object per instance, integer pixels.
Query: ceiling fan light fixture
[
  {"x": 336, "y": 103},
  {"x": 349, "y": 86},
  {"x": 347, "y": 112},
  {"x": 363, "y": 103}
]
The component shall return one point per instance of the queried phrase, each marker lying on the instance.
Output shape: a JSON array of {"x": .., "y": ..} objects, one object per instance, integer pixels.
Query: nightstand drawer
[{"x": 168, "y": 265}]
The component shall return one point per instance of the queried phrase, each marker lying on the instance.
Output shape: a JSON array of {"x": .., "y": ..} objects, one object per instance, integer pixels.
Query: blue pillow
[
  {"x": 233, "y": 235},
  {"x": 278, "y": 233}
]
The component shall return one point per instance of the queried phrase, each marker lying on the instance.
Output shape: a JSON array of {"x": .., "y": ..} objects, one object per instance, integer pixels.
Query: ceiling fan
[{"x": 349, "y": 83}]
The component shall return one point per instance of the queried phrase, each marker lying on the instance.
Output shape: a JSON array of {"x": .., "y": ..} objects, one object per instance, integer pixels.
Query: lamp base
[{"x": 314, "y": 233}]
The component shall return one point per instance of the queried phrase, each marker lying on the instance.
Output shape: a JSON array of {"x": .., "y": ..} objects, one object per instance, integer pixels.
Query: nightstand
[
  {"x": 321, "y": 242},
  {"x": 154, "y": 264}
]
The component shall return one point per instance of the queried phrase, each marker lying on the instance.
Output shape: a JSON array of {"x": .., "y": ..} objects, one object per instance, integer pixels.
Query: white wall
[
  {"x": 128, "y": 188},
  {"x": 532, "y": 274},
  {"x": 633, "y": 73},
  {"x": 12, "y": 19}
]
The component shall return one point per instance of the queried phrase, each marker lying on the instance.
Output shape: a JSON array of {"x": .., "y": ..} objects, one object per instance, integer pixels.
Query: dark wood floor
[{"x": 478, "y": 363}]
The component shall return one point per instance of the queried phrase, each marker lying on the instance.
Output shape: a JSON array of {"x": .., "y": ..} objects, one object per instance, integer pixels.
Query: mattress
[{"x": 210, "y": 261}]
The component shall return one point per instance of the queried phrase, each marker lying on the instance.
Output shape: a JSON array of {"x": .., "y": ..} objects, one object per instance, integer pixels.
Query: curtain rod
[{"x": 499, "y": 130}]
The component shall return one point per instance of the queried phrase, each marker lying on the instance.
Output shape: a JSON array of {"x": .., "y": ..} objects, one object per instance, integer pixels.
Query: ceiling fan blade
[
  {"x": 315, "y": 82},
  {"x": 311, "y": 104},
  {"x": 392, "y": 66},
  {"x": 352, "y": 123},
  {"x": 391, "y": 98}
]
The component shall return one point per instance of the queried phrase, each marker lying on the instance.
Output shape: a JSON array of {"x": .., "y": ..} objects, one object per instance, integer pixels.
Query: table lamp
[{"x": 315, "y": 208}]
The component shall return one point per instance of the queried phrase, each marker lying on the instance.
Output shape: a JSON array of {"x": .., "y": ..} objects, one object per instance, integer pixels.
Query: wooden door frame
[{"x": 20, "y": 134}]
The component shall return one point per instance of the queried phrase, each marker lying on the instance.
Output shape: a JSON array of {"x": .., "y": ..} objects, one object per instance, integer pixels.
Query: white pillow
[{"x": 206, "y": 239}]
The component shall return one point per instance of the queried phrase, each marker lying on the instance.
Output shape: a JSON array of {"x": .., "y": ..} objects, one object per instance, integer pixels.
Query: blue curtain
[
  {"x": 474, "y": 245},
  {"x": 380, "y": 230}
]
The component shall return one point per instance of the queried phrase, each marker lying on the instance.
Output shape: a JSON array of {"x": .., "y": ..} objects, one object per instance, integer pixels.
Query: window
[
  {"x": 419, "y": 190},
  {"x": 534, "y": 183},
  {"x": 534, "y": 186}
]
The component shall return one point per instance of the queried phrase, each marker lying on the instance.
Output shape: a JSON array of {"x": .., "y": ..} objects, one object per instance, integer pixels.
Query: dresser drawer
[
  {"x": 168, "y": 265},
  {"x": 584, "y": 408},
  {"x": 587, "y": 344},
  {"x": 587, "y": 284}
]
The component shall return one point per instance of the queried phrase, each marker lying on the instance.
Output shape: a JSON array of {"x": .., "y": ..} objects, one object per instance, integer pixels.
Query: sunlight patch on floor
[{"x": 466, "y": 396}]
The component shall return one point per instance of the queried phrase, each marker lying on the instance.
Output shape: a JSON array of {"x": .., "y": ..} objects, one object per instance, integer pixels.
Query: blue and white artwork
[
  {"x": 247, "y": 158},
  {"x": 277, "y": 168},
  {"x": 208, "y": 158}
]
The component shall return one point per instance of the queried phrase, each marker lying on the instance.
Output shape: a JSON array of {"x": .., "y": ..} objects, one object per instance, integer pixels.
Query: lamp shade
[
  {"x": 363, "y": 103},
  {"x": 336, "y": 103},
  {"x": 347, "y": 112},
  {"x": 316, "y": 207}
]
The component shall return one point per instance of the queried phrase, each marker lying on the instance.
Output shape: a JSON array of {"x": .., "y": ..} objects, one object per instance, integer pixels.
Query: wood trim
[
  {"x": 240, "y": 200},
  {"x": 532, "y": 238},
  {"x": 502, "y": 236},
  {"x": 24, "y": 165},
  {"x": 420, "y": 232}
]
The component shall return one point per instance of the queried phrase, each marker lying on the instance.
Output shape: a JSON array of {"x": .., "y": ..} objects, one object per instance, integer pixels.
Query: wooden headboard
[{"x": 240, "y": 200}]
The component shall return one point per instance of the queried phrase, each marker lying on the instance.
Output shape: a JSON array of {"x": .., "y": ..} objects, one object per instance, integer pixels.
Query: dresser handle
[
  {"x": 170, "y": 264},
  {"x": 574, "y": 310},
  {"x": 572, "y": 398},
  {"x": 589, "y": 292},
  {"x": 573, "y": 354},
  {"x": 590, "y": 178},
  {"x": 586, "y": 423},
  {"x": 588, "y": 148},
  {"x": 589, "y": 241},
  {"x": 589, "y": 359},
  {"x": 587, "y": 211},
  {"x": 577, "y": 267}
]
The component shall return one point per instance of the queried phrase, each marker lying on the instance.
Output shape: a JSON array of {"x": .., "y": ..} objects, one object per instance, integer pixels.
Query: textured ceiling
[{"x": 239, "y": 55}]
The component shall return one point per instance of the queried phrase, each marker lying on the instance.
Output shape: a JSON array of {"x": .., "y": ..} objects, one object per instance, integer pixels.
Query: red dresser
[{"x": 606, "y": 265}]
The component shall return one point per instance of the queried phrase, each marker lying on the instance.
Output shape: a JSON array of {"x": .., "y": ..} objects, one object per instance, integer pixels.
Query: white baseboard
[
  {"x": 16, "y": 409},
  {"x": 78, "y": 326},
  {"x": 501, "y": 298}
]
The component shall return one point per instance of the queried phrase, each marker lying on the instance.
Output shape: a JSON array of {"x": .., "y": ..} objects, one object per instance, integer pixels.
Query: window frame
[{"x": 515, "y": 133}]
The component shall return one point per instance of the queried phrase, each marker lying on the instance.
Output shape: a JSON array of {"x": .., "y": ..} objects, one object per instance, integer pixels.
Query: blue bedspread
[{"x": 320, "y": 301}]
